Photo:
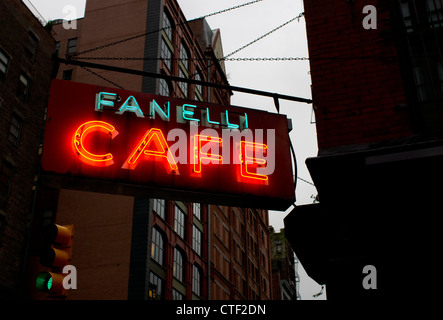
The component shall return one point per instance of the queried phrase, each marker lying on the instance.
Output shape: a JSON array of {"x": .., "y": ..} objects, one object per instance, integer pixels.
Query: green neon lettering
[{"x": 187, "y": 113}]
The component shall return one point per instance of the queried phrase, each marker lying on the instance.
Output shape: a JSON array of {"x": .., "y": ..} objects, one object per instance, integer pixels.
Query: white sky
[{"x": 238, "y": 28}]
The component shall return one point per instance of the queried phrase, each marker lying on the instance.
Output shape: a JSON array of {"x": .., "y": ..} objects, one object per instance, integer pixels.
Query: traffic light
[{"x": 56, "y": 255}]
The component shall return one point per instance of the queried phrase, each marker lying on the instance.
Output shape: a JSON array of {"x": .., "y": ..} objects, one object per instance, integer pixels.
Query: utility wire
[
  {"x": 179, "y": 79},
  {"x": 102, "y": 77},
  {"x": 258, "y": 39},
  {"x": 226, "y": 10},
  {"x": 265, "y": 35},
  {"x": 306, "y": 181},
  {"x": 156, "y": 31}
]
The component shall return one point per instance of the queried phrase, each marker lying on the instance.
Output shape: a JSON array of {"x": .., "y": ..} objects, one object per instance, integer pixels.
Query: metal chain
[
  {"x": 156, "y": 31},
  {"x": 195, "y": 59},
  {"x": 258, "y": 39},
  {"x": 265, "y": 35},
  {"x": 268, "y": 59},
  {"x": 103, "y": 78}
]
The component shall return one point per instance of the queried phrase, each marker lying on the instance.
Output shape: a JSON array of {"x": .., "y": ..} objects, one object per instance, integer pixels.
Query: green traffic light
[
  {"x": 49, "y": 284},
  {"x": 44, "y": 282}
]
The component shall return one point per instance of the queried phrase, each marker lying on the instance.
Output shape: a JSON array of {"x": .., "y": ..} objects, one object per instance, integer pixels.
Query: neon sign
[
  {"x": 187, "y": 112},
  {"x": 156, "y": 137},
  {"x": 227, "y": 154},
  {"x": 78, "y": 142}
]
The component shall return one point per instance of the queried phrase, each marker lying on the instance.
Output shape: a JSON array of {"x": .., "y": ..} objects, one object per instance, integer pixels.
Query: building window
[
  {"x": 435, "y": 13},
  {"x": 183, "y": 85},
  {"x": 278, "y": 243},
  {"x": 4, "y": 62},
  {"x": 15, "y": 129},
  {"x": 67, "y": 74},
  {"x": 57, "y": 48},
  {"x": 23, "y": 88},
  {"x": 31, "y": 46},
  {"x": 197, "y": 240},
  {"x": 406, "y": 14},
  {"x": 167, "y": 25},
  {"x": 197, "y": 210},
  {"x": 198, "y": 87},
  {"x": 179, "y": 221},
  {"x": 155, "y": 286},
  {"x": 176, "y": 295},
  {"x": 159, "y": 208},
  {"x": 165, "y": 89},
  {"x": 178, "y": 265},
  {"x": 157, "y": 247},
  {"x": 184, "y": 57},
  {"x": 422, "y": 36},
  {"x": 196, "y": 280},
  {"x": 6, "y": 175},
  {"x": 72, "y": 46},
  {"x": 166, "y": 54}
]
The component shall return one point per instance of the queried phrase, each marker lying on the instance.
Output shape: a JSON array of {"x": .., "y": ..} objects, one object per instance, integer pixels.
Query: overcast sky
[{"x": 238, "y": 28}]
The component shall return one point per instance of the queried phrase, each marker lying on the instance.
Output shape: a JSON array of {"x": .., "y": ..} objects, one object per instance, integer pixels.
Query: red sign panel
[{"x": 224, "y": 154}]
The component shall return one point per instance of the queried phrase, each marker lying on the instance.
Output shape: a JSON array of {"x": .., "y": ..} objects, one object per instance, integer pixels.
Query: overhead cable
[
  {"x": 179, "y": 79},
  {"x": 226, "y": 10},
  {"x": 156, "y": 31},
  {"x": 265, "y": 35}
]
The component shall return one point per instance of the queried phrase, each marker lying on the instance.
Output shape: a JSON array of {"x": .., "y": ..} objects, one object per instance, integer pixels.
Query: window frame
[
  {"x": 32, "y": 45},
  {"x": 197, "y": 210},
  {"x": 22, "y": 88},
  {"x": 179, "y": 265},
  {"x": 157, "y": 247},
  {"x": 179, "y": 221},
  {"x": 16, "y": 136},
  {"x": 4, "y": 64},
  {"x": 168, "y": 25},
  {"x": 8, "y": 177},
  {"x": 167, "y": 54},
  {"x": 197, "y": 283},
  {"x": 159, "y": 207},
  {"x": 197, "y": 243},
  {"x": 69, "y": 46},
  {"x": 155, "y": 280}
]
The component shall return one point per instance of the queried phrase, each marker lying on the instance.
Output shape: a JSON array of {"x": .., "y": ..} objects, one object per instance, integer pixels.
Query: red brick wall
[
  {"x": 240, "y": 254},
  {"x": 16, "y": 21},
  {"x": 106, "y": 22},
  {"x": 356, "y": 99}
]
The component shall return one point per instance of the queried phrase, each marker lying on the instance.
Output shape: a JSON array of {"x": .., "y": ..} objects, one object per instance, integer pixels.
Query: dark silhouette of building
[
  {"x": 284, "y": 274},
  {"x": 26, "y": 48},
  {"x": 379, "y": 114}
]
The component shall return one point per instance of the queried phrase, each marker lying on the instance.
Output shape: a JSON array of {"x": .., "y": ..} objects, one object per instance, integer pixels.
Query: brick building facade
[
  {"x": 379, "y": 114},
  {"x": 26, "y": 48},
  {"x": 240, "y": 254}
]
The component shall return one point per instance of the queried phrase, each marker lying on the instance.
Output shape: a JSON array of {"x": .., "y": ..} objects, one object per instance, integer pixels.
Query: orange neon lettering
[
  {"x": 199, "y": 155},
  {"x": 248, "y": 161},
  {"x": 156, "y": 136},
  {"x": 79, "y": 146}
]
